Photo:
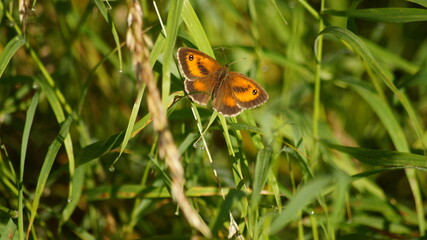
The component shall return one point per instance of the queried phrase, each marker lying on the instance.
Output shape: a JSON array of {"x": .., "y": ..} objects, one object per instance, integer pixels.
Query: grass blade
[
  {"x": 27, "y": 128},
  {"x": 383, "y": 157},
  {"x": 9, "y": 51},
  {"x": 392, "y": 15},
  {"x": 47, "y": 166},
  {"x": 9, "y": 231},
  {"x": 302, "y": 198}
]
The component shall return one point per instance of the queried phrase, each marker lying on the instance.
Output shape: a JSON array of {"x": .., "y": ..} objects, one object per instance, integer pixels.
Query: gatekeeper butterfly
[{"x": 205, "y": 78}]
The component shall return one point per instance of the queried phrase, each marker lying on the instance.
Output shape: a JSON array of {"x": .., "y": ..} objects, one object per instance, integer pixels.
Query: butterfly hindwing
[
  {"x": 247, "y": 92},
  {"x": 224, "y": 102},
  {"x": 199, "y": 90}
]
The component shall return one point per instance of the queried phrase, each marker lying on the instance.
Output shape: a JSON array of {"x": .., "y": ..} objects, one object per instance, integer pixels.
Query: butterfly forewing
[{"x": 195, "y": 64}]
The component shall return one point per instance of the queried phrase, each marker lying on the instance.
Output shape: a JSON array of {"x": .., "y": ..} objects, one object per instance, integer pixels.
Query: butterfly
[{"x": 205, "y": 78}]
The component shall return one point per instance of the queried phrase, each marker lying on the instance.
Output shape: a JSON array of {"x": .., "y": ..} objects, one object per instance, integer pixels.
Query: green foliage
[{"x": 337, "y": 152}]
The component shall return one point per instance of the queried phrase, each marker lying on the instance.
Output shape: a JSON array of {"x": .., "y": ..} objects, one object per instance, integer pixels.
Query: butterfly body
[{"x": 206, "y": 79}]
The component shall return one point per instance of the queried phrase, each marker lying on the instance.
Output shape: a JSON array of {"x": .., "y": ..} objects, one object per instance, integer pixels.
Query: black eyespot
[
  {"x": 191, "y": 57},
  {"x": 254, "y": 92}
]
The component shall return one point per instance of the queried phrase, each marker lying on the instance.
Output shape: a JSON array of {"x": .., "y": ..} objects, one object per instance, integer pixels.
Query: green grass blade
[
  {"x": 391, "y": 58},
  {"x": 302, "y": 198},
  {"x": 262, "y": 168},
  {"x": 9, "y": 231},
  {"x": 9, "y": 51},
  {"x": 383, "y": 157},
  {"x": 106, "y": 14},
  {"x": 384, "y": 112},
  {"x": 392, "y": 15},
  {"x": 131, "y": 122},
  {"x": 222, "y": 215},
  {"x": 77, "y": 182},
  {"x": 196, "y": 29},
  {"x": 24, "y": 145},
  {"x": 47, "y": 166},
  {"x": 420, "y": 2},
  {"x": 173, "y": 21}
]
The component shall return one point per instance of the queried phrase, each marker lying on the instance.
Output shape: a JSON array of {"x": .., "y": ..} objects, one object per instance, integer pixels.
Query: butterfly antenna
[
  {"x": 229, "y": 64},
  {"x": 225, "y": 55},
  {"x": 223, "y": 49}
]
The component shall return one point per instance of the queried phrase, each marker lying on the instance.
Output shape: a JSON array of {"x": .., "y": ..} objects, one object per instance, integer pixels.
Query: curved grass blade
[
  {"x": 47, "y": 166},
  {"x": 105, "y": 13},
  {"x": 9, "y": 50},
  {"x": 27, "y": 127},
  {"x": 383, "y": 157},
  {"x": 420, "y": 2},
  {"x": 391, "y": 15},
  {"x": 384, "y": 112},
  {"x": 174, "y": 14},
  {"x": 303, "y": 197},
  {"x": 195, "y": 28},
  {"x": 262, "y": 168},
  {"x": 9, "y": 231}
]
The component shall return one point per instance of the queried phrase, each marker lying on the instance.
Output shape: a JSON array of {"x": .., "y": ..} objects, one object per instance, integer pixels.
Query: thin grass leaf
[
  {"x": 77, "y": 181},
  {"x": 131, "y": 122},
  {"x": 1, "y": 12},
  {"x": 391, "y": 58},
  {"x": 9, "y": 51},
  {"x": 385, "y": 113},
  {"x": 195, "y": 29},
  {"x": 302, "y": 198},
  {"x": 392, "y": 15},
  {"x": 244, "y": 127},
  {"x": 106, "y": 14},
  {"x": 420, "y": 2},
  {"x": 383, "y": 157},
  {"x": 24, "y": 145},
  {"x": 47, "y": 166},
  {"x": 99, "y": 148},
  {"x": 222, "y": 215},
  {"x": 9, "y": 231},
  {"x": 173, "y": 21},
  {"x": 340, "y": 193},
  {"x": 262, "y": 168},
  {"x": 81, "y": 232},
  {"x": 157, "y": 49}
]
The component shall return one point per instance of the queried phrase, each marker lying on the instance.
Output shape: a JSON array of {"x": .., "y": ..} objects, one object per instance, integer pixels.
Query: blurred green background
[{"x": 338, "y": 149}]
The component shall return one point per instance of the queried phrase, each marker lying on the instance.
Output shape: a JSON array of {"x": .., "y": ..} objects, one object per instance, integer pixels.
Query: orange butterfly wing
[
  {"x": 199, "y": 70},
  {"x": 247, "y": 93},
  {"x": 232, "y": 92},
  {"x": 195, "y": 64},
  {"x": 224, "y": 102}
]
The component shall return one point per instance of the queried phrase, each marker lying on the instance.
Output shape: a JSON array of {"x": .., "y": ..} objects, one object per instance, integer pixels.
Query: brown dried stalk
[{"x": 167, "y": 147}]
